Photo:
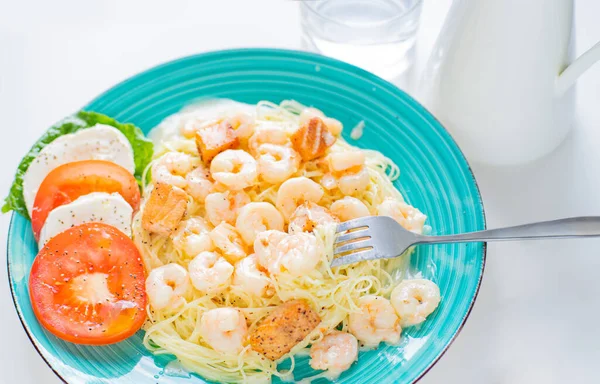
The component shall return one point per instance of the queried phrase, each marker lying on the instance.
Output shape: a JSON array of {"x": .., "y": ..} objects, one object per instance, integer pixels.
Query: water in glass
[{"x": 377, "y": 35}]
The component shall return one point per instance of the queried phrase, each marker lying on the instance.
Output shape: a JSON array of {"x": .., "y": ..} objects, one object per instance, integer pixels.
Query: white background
[{"x": 536, "y": 318}]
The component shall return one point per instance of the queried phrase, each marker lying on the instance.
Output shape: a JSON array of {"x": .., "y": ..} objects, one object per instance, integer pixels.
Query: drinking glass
[{"x": 376, "y": 35}]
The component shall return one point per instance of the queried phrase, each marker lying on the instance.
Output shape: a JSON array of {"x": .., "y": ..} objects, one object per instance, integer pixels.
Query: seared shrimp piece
[
  {"x": 235, "y": 169},
  {"x": 251, "y": 279},
  {"x": 308, "y": 215},
  {"x": 210, "y": 273},
  {"x": 283, "y": 328},
  {"x": 198, "y": 183},
  {"x": 164, "y": 209},
  {"x": 414, "y": 300},
  {"x": 267, "y": 134},
  {"x": 334, "y": 126},
  {"x": 229, "y": 242},
  {"x": 265, "y": 247},
  {"x": 215, "y": 139},
  {"x": 192, "y": 236},
  {"x": 224, "y": 329},
  {"x": 166, "y": 285},
  {"x": 349, "y": 208},
  {"x": 335, "y": 352},
  {"x": 257, "y": 217},
  {"x": 296, "y": 191},
  {"x": 299, "y": 254},
  {"x": 407, "y": 216},
  {"x": 375, "y": 322},
  {"x": 312, "y": 139},
  {"x": 172, "y": 168},
  {"x": 225, "y": 206},
  {"x": 277, "y": 163}
]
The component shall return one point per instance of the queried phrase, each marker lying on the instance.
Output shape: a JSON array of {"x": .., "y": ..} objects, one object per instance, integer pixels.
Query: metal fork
[{"x": 381, "y": 237}]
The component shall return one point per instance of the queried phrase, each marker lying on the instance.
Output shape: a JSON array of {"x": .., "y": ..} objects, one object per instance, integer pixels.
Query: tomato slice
[
  {"x": 69, "y": 181},
  {"x": 87, "y": 285}
]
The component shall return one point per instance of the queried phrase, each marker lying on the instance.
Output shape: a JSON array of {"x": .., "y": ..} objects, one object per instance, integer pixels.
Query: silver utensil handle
[{"x": 563, "y": 228}]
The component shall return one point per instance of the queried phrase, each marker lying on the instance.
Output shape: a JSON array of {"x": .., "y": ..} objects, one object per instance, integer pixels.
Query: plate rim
[{"x": 315, "y": 56}]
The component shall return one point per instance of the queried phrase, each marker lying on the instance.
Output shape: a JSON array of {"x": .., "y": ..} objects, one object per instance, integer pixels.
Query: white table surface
[{"x": 535, "y": 320}]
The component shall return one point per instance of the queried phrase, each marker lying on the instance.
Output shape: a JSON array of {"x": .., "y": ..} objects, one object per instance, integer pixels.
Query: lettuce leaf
[{"x": 143, "y": 150}]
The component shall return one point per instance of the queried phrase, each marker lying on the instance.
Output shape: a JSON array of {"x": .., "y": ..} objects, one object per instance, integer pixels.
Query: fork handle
[{"x": 588, "y": 226}]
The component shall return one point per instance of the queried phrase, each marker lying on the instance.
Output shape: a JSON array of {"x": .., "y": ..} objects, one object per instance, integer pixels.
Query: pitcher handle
[{"x": 568, "y": 77}]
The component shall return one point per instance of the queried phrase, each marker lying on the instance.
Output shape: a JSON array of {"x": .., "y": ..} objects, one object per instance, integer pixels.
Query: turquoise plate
[{"x": 435, "y": 177}]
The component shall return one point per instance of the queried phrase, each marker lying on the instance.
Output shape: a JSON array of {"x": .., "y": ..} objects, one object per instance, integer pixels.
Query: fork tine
[
  {"x": 345, "y": 226},
  {"x": 354, "y": 258},
  {"x": 352, "y": 236},
  {"x": 353, "y": 246},
  {"x": 353, "y": 224}
]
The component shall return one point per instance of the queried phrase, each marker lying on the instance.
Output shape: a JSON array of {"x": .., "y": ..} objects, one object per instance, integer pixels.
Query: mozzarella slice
[
  {"x": 100, "y": 142},
  {"x": 101, "y": 207}
]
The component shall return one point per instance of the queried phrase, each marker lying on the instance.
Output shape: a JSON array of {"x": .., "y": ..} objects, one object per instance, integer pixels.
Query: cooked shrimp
[
  {"x": 376, "y": 322},
  {"x": 192, "y": 236},
  {"x": 267, "y": 134},
  {"x": 210, "y": 273},
  {"x": 352, "y": 183},
  {"x": 334, "y": 126},
  {"x": 198, "y": 183},
  {"x": 349, "y": 208},
  {"x": 229, "y": 242},
  {"x": 172, "y": 167},
  {"x": 265, "y": 247},
  {"x": 224, "y": 206},
  {"x": 299, "y": 254},
  {"x": 190, "y": 127},
  {"x": 166, "y": 285},
  {"x": 243, "y": 125},
  {"x": 277, "y": 163},
  {"x": 407, "y": 216},
  {"x": 224, "y": 329},
  {"x": 252, "y": 280},
  {"x": 235, "y": 169},
  {"x": 283, "y": 328},
  {"x": 335, "y": 352},
  {"x": 414, "y": 300},
  {"x": 329, "y": 182},
  {"x": 310, "y": 112},
  {"x": 343, "y": 161},
  {"x": 308, "y": 215},
  {"x": 349, "y": 171},
  {"x": 296, "y": 191},
  {"x": 190, "y": 123},
  {"x": 257, "y": 217}
]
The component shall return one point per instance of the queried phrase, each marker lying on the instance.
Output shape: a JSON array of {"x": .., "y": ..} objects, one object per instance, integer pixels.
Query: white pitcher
[{"x": 501, "y": 77}]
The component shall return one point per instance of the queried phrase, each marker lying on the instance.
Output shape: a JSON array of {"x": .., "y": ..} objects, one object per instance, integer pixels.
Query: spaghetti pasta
[{"x": 333, "y": 293}]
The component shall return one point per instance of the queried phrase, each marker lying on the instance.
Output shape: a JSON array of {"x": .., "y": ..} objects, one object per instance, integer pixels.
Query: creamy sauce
[
  {"x": 176, "y": 369},
  {"x": 357, "y": 131}
]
